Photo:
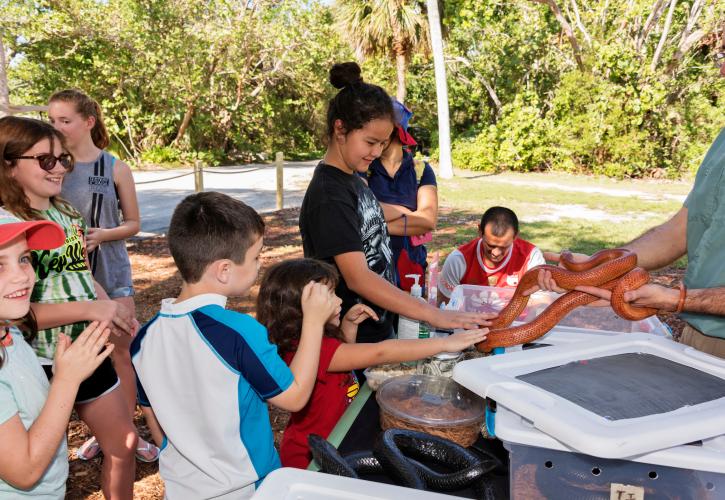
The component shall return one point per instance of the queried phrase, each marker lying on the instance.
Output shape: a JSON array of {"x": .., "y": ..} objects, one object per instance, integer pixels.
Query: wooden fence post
[
  {"x": 198, "y": 176},
  {"x": 279, "y": 162}
]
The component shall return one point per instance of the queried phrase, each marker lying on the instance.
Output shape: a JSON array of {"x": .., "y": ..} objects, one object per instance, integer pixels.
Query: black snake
[{"x": 400, "y": 452}]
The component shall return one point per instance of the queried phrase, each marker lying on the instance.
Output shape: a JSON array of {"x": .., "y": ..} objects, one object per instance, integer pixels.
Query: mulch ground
[{"x": 155, "y": 278}]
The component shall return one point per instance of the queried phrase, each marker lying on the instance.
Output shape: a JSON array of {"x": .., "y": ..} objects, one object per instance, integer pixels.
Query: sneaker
[
  {"x": 147, "y": 452},
  {"x": 89, "y": 450}
]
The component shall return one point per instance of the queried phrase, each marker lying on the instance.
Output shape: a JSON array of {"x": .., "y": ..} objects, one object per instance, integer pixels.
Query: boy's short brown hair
[{"x": 211, "y": 226}]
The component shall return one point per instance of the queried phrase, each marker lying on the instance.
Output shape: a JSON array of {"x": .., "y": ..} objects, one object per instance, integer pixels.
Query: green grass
[
  {"x": 472, "y": 194},
  {"x": 527, "y": 200}
]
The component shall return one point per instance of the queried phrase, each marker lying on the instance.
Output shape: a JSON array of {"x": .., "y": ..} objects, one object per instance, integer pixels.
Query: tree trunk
[
  {"x": 400, "y": 68},
  {"x": 688, "y": 38},
  {"x": 652, "y": 19},
  {"x": 4, "y": 91},
  {"x": 663, "y": 37},
  {"x": 489, "y": 88},
  {"x": 444, "y": 132},
  {"x": 567, "y": 30},
  {"x": 580, "y": 24},
  {"x": 184, "y": 123}
]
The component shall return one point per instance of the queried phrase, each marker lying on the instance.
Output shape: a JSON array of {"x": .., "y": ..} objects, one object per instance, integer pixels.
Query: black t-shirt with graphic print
[{"x": 340, "y": 214}]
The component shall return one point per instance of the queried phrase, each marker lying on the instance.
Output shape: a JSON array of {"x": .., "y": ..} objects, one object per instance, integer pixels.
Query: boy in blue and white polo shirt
[{"x": 204, "y": 373}]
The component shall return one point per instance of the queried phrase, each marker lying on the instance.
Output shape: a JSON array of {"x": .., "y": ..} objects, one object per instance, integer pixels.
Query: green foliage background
[{"x": 228, "y": 81}]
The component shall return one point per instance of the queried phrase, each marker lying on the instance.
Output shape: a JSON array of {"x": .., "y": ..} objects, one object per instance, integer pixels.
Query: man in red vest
[{"x": 498, "y": 257}]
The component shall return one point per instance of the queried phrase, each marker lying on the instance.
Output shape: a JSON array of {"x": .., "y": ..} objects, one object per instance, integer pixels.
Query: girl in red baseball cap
[{"x": 34, "y": 414}]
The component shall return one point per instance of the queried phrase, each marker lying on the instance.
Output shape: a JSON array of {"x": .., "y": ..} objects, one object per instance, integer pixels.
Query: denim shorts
[{"x": 124, "y": 291}]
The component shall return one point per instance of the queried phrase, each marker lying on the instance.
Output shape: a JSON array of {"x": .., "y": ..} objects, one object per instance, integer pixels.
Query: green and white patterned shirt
[{"x": 62, "y": 275}]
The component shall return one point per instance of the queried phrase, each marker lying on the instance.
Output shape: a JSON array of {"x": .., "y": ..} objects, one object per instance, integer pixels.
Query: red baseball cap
[
  {"x": 402, "y": 116},
  {"x": 404, "y": 137},
  {"x": 41, "y": 234}
]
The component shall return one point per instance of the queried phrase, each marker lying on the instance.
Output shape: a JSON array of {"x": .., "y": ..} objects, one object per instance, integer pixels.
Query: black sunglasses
[{"x": 47, "y": 162}]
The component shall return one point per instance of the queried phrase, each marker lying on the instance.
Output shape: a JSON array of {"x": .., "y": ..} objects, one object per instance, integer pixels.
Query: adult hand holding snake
[
  {"x": 650, "y": 295},
  {"x": 545, "y": 280},
  {"x": 613, "y": 269}
]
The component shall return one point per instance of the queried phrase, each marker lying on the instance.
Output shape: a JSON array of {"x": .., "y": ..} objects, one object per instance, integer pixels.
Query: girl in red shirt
[{"x": 279, "y": 308}]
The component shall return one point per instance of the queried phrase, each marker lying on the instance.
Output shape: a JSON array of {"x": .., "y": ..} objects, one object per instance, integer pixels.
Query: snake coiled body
[
  {"x": 399, "y": 453},
  {"x": 613, "y": 269}
]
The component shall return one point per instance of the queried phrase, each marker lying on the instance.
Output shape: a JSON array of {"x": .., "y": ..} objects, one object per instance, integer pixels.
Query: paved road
[{"x": 255, "y": 185}]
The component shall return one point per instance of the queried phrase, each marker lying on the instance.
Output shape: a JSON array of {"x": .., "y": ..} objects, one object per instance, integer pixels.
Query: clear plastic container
[
  {"x": 474, "y": 298},
  {"x": 436, "y": 405},
  {"x": 376, "y": 375}
]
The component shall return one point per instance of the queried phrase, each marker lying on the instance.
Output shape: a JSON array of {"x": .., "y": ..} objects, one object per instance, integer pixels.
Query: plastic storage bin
[
  {"x": 473, "y": 298},
  {"x": 541, "y": 467},
  {"x": 613, "y": 397}
]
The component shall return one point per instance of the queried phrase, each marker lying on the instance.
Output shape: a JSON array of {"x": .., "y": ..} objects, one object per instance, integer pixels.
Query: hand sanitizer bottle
[
  {"x": 409, "y": 328},
  {"x": 417, "y": 292}
]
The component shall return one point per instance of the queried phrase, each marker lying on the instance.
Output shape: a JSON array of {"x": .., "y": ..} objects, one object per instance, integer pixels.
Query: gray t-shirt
[
  {"x": 91, "y": 190},
  {"x": 23, "y": 392}
]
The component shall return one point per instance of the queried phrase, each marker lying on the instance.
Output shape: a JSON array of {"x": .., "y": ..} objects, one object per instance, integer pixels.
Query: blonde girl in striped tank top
[{"x": 33, "y": 162}]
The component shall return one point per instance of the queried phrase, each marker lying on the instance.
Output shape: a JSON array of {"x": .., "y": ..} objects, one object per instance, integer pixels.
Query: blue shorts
[{"x": 124, "y": 291}]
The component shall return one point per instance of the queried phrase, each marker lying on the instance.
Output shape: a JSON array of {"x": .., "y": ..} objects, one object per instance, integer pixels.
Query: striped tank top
[{"x": 91, "y": 191}]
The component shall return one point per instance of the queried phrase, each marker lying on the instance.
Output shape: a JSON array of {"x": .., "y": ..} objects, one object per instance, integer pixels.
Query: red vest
[{"x": 509, "y": 273}]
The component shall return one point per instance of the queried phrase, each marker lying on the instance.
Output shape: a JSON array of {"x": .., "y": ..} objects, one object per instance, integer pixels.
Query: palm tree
[
  {"x": 396, "y": 28},
  {"x": 444, "y": 128}
]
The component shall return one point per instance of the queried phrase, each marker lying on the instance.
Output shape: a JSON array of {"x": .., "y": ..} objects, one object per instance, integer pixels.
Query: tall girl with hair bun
[
  {"x": 97, "y": 187},
  {"x": 342, "y": 223}
]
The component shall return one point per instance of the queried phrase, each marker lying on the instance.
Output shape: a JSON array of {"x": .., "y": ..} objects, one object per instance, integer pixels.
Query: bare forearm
[
  {"x": 706, "y": 301},
  {"x": 359, "y": 356},
  {"x": 304, "y": 368},
  {"x": 100, "y": 291},
  {"x": 126, "y": 230},
  {"x": 392, "y": 212},
  {"x": 379, "y": 291},
  {"x": 349, "y": 331},
  {"x": 52, "y": 315},
  {"x": 416, "y": 224},
  {"x": 48, "y": 430},
  {"x": 663, "y": 244},
  {"x": 406, "y": 350}
]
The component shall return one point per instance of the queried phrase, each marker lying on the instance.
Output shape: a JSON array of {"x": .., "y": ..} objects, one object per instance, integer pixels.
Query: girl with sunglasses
[
  {"x": 97, "y": 187},
  {"x": 33, "y": 163}
]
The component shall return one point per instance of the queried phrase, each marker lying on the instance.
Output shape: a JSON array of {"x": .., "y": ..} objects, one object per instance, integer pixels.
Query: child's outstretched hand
[
  {"x": 464, "y": 340},
  {"x": 354, "y": 316},
  {"x": 318, "y": 303},
  {"x": 76, "y": 361},
  {"x": 359, "y": 313}
]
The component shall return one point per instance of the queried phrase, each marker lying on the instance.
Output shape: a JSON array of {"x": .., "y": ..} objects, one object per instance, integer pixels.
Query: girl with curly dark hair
[{"x": 279, "y": 308}]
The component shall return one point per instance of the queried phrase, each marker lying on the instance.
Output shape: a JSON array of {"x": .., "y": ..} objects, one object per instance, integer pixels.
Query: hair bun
[{"x": 345, "y": 74}]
